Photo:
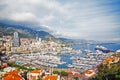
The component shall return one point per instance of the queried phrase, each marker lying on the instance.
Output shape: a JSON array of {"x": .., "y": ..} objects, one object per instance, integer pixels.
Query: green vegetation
[
  {"x": 24, "y": 32},
  {"x": 39, "y": 78},
  {"x": 3, "y": 32},
  {"x": 19, "y": 67},
  {"x": 9, "y": 31},
  {"x": 62, "y": 73},
  {"x": 25, "y": 35},
  {"x": 56, "y": 72},
  {"x": 108, "y": 71},
  {"x": 76, "y": 78}
]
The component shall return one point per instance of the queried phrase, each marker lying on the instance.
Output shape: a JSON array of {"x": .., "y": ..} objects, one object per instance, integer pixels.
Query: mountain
[
  {"x": 24, "y": 31},
  {"x": 66, "y": 40},
  {"x": 79, "y": 41},
  {"x": 7, "y": 28}
]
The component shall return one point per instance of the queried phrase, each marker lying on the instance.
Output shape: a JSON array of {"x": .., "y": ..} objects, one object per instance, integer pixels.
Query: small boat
[{"x": 70, "y": 66}]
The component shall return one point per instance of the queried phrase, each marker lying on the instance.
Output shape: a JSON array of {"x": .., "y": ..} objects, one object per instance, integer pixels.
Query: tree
[
  {"x": 117, "y": 77},
  {"x": 63, "y": 73},
  {"x": 56, "y": 72},
  {"x": 111, "y": 72},
  {"x": 76, "y": 78},
  {"x": 39, "y": 78}
]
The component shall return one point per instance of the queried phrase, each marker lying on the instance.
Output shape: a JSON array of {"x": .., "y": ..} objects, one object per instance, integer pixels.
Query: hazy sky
[{"x": 78, "y": 19}]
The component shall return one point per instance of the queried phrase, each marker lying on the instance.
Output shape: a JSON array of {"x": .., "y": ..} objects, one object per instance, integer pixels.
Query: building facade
[{"x": 16, "y": 40}]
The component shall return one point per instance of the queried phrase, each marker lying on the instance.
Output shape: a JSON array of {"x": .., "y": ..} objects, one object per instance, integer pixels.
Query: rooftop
[
  {"x": 51, "y": 78},
  {"x": 12, "y": 77},
  {"x": 13, "y": 72},
  {"x": 35, "y": 71}
]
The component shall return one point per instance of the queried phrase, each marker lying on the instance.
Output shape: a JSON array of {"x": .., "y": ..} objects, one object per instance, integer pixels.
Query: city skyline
[{"x": 96, "y": 20}]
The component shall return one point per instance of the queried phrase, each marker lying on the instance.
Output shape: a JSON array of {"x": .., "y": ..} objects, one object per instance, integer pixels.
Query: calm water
[
  {"x": 66, "y": 57},
  {"x": 113, "y": 47}
]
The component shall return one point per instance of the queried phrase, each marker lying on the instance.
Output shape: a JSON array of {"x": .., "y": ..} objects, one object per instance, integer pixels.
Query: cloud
[
  {"x": 87, "y": 19},
  {"x": 22, "y": 17},
  {"x": 47, "y": 18},
  {"x": 65, "y": 34}
]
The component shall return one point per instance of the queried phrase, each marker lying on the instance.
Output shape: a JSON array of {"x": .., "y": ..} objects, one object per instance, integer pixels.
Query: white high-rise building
[
  {"x": 15, "y": 34},
  {"x": 16, "y": 40}
]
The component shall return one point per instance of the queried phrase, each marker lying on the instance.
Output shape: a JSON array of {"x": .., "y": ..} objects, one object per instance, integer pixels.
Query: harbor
[{"x": 80, "y": 61}]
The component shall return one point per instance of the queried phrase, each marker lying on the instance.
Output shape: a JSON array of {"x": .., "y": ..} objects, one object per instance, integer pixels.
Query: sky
[{"x": 75, "y": 19}]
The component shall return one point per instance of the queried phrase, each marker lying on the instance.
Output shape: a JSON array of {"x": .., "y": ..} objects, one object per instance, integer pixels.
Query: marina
[
  {"x": 91, "y": 60},
  {"x": 83, "y": 61},
  {"x": 37, "y": 59}
]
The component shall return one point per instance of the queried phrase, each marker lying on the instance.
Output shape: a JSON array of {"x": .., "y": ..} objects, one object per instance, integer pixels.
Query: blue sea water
[
  {"x": 66, "y": 57},
  {"x": 111, "y": 46}
]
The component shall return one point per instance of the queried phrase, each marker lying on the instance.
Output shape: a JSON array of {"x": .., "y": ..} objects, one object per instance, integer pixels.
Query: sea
[{"x": 66, "y": 57}]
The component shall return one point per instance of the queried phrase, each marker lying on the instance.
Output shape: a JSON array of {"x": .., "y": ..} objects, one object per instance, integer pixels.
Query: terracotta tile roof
[
  {"x": 89, "y": 73},
  {"x": 14, "y": 72},
  {"x": 51, "y": 78},
  {"x": 33, "y": 78},
  {"x": 70, "y": 74},
  {"x": 108, "y": 60},
  {"x": 76, "y": 75},
  {"x": 12, "y": 77},
  {"x": 35, "y": 71}
]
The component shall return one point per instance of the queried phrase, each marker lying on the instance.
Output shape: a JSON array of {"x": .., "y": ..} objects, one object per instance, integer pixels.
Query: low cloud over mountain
[{"x": 87, "y": 19}]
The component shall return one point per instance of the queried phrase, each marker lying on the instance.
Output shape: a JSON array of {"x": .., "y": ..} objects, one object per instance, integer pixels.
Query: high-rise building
[
  {"x": 15, "y": 34},
  {"x": 37, "y": 38},
  {"x": 16, "y": 40}
]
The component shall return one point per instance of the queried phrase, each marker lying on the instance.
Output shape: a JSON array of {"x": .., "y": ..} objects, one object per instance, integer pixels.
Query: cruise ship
[{"x": 103, "y": 49}]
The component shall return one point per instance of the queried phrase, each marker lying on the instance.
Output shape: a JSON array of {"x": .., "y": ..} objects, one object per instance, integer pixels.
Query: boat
[
  {"x": 103, "y": 49},
  {"x": 87, "y": 51},
  {"x": 70, "y": 66}
]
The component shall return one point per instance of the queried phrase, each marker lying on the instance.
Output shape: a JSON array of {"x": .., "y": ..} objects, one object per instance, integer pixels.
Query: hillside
[
  {"x": 108, "y": 71},
  {"x": 24, "y": 32}
]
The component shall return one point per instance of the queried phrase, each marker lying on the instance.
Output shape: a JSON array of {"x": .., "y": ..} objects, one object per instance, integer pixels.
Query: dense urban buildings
[{"x": 37, "y": 59}]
